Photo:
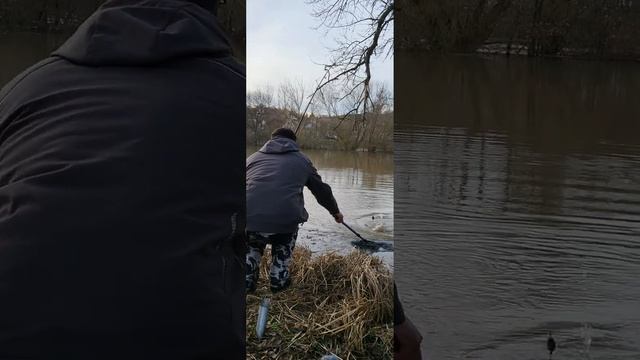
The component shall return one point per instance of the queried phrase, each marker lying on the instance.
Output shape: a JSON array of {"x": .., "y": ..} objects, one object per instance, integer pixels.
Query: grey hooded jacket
[{"x": 276, "y": 177}]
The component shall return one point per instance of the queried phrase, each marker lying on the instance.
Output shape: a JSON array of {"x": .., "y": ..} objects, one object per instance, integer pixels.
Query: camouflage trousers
[{"x": 281, "y": 253}]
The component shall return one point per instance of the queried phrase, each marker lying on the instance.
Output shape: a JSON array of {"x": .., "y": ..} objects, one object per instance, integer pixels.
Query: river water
[{"x": 518, "y": 198}]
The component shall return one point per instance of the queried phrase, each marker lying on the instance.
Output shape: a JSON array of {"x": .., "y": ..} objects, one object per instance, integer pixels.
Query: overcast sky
[{"x": 282, "y": 44}]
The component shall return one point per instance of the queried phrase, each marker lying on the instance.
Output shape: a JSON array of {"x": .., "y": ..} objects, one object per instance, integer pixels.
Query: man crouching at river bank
[{"x": 276, "y": 177}]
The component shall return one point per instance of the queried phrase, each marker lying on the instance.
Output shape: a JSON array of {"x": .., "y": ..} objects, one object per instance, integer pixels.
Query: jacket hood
[
  {"x": 279, "y": 145},
  {"x": 141, "y": 32}
]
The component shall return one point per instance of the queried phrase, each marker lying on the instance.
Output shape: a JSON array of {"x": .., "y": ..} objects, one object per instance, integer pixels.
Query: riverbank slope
[{"x": 341, "y": 304}]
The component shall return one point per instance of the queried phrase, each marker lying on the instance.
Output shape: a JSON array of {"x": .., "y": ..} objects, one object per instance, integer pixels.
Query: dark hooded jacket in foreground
[
  {"x": 276, "y": 177},
  {"x": 122, "y": 192}
]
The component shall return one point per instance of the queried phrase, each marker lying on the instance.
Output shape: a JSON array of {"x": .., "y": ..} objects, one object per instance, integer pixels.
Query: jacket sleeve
[
  {"x": 398, "y": 312},
  {"x": 322, "y": 192}
]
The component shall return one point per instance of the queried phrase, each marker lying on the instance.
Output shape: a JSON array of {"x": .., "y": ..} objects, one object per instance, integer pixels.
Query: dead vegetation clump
[{"x": 340, "y": 304}]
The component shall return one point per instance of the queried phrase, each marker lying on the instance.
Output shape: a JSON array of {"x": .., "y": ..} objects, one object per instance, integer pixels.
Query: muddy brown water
[{"x": 518, "y": 206}]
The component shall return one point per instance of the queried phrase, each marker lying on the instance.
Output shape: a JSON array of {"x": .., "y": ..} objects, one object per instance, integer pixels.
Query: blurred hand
[
  {"x": 339, "y": 217},
  {"x": 407, "y": 342}
]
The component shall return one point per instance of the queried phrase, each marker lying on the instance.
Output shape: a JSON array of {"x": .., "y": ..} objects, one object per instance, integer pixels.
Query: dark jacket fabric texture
[
  {"x": 276, "y": 177},
  {"x": 122, "y": 197}
]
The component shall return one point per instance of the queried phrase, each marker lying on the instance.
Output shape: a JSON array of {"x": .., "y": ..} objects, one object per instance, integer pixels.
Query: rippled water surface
[{"x": 518, "y": 195}]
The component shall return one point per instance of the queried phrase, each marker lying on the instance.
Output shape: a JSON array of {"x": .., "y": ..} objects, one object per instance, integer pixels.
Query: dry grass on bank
[{"x": 336, "y": 304}]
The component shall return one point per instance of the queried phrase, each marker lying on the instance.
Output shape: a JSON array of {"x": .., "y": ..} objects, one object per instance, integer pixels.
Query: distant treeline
[
  {"x": 603, "y": 29},
  {"x": 64, "y": 16},
  {"x": 336, "y": 129},
  {"x": 322, "y": 132}
]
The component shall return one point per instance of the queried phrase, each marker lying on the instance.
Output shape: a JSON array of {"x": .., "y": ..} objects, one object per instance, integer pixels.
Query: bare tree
[
  {"x": 365, "y": 33},
  {"x": 292, "y": 96},
  {"x": 262, "y": 96},
  {"x": 381, "y": 105},
  {"x": 258, "y": 102},
  {"x": 594, "y": 28},
  {"x": 328, "y": 101},
  {"x": 333, "y": 105}
]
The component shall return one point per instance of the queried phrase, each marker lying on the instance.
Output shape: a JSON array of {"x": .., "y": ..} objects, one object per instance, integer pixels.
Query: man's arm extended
[{"x": 322, "y": 192}]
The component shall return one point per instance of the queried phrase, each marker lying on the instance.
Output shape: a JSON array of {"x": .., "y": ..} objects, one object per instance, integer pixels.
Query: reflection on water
[
  {"x": 363, "y": 186},
  {"x": 518, "y": 193}
]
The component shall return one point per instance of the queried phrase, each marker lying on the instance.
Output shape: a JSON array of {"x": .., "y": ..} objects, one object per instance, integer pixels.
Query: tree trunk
[{"x": 534, "y": 37}]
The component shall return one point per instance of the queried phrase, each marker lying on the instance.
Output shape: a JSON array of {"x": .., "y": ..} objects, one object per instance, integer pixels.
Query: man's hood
[
  {"x": 141, "y": 32},
  {"x": 279, "y": 145}
]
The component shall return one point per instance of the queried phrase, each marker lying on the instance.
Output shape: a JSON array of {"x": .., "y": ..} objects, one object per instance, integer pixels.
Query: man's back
[
  {"x": 116, "y": 227},
  {"x": 276, "y": 177}
]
